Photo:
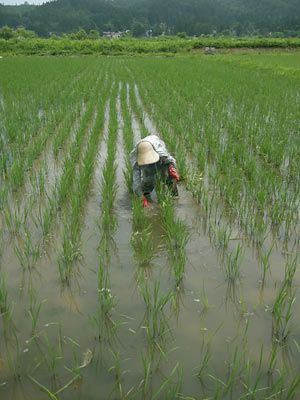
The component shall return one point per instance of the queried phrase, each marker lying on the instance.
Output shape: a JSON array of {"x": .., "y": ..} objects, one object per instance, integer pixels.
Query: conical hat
[{"x": 146, "y": 153}]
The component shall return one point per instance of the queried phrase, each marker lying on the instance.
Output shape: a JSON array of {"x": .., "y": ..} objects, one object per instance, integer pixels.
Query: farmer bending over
[{"x": 150, "y": 160}]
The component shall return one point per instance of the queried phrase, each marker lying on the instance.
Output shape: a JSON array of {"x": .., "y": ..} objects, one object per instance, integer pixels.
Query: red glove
[
  {"x": 173, "y": 173},
  {"x": 145, "y": 202}
]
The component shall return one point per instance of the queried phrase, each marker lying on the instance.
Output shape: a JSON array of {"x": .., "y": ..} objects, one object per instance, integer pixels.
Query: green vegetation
[
  {"x": 194, "y": 297},
  {"x": 235, "y": 17},
  {"x": 140, "y": 46}
]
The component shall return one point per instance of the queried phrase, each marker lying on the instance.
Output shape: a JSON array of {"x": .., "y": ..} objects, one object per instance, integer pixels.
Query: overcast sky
[{"x": 13, "y": 2}]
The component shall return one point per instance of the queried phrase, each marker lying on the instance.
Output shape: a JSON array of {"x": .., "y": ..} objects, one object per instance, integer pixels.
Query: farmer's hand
[
  {"x": 145, "y": 202},
  {"x": 173, "y": 172}
]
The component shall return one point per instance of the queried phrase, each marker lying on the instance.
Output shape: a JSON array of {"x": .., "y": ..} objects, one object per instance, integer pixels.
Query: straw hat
[{"x": 146, "y": 153}]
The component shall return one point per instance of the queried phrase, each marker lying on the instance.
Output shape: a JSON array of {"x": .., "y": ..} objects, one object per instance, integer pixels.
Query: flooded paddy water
[{"x": 93, "y": 303}]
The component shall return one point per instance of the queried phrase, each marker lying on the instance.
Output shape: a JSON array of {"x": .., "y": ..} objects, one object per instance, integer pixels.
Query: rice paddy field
[{"x": 193, "y": 298}]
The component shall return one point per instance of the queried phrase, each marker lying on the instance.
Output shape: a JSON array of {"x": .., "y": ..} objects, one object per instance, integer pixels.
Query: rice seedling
[
  {"x": 27, "y": 251},
  {"x": 233, "y": 262},
  {"x": 272, "y": 359},
  {"x": 290, "y": 269},
  {"x": 128, "y": 175},
  {"x": 205, "y": 360},
  {"x": 265, "y": 263},
  {"x": 70, "y": 254},
  {"x": 51, "y": 354},
  {"x": 137, "y": 110},
  {"x": 102, "y": 321},
  {"x": 145, "y": 384},
  {"x": 172, "y": 385},
  {"x": 44, "y": 220},
  {"x": 155, "y": 319},
  {"x": 108, "y": 222},
  {"x": 220, "y": 236},
  {"x": 3, "y": 197},
  {"x": 15, "y": 218},
  {"x": 138, "y": 214},
  {"x": 106, "y": 299},
  {"x": 1, "y": 243},
  {"x": 143, "y": 247},
  {"x": 176, "y": 234},
  {"x": 4, "y": 306},
  {"x": 34, "y": 311},
  {"x": 116, "y": 368},
  {"x": 204, "y": 300},
  {"x": 293, "y": 388},
  {"x": 51, "y": 395},
  {"x": 282, "y": 314}
]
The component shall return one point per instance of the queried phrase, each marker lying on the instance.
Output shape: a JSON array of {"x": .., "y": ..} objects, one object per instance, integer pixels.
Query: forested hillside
[{"x": 195, "y": 17}]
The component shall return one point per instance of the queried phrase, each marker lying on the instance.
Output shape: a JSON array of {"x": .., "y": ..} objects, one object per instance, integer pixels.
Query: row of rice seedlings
[
  {"x": 102, "y": 320},
  {"x": 63, "y": 186},
  {"x": 1, "y": 243},
  {"x": 137, "y": 110},
  {"x": 175, "y": 230},
  {"x": 141, "y": 240},
  {"x": 34, "y": 311},
  {"x": 155, "y": 320},
  {"x": 66, "y": 132},
  {"x": 8, "y": 332},
  {"x": 108, "y": 184},
  {"x": 59, "y": 196},
  {"x": 66, "y": 128},
  {"x": 30, "y": 105},
  {"x": 282, "y": 308},
  {"x": 38, "y": 182},
  {"x": 71, "y": 240},
  {"x": 127, "y": 137},
  {"x": 62, "y": 104},
  {"x": 51, "y": 356},
  {"x": 4, "y": 306},
  {"x": 82, "y": 87},
  {"x": 177, "y": 236},
  {"x": 23, "y": 161},
  {"x": 14, "y": 218},
  {"x": 27, "y": 250},
  {"x": 17, "y": 221}
]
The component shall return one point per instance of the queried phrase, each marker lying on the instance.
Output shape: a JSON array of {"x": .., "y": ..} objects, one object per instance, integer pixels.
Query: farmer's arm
[{"x": 168, "y": 159}]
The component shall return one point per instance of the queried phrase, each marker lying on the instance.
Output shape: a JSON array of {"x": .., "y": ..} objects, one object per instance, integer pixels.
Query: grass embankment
[{"x": 137, "y": 46}]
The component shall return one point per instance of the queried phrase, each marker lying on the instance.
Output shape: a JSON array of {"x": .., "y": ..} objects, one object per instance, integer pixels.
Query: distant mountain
[{"x": 194, "y": 17}]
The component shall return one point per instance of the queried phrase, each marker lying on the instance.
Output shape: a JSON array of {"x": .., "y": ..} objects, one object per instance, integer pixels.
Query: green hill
[{"x": 195, "y": 17}]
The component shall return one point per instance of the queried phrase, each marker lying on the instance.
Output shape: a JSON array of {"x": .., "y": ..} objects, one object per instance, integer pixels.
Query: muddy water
[{"x": 209, "y": 311}]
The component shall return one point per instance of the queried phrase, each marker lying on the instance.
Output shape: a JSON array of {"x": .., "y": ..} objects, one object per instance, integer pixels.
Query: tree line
[{"x": 156, "y": 17}]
